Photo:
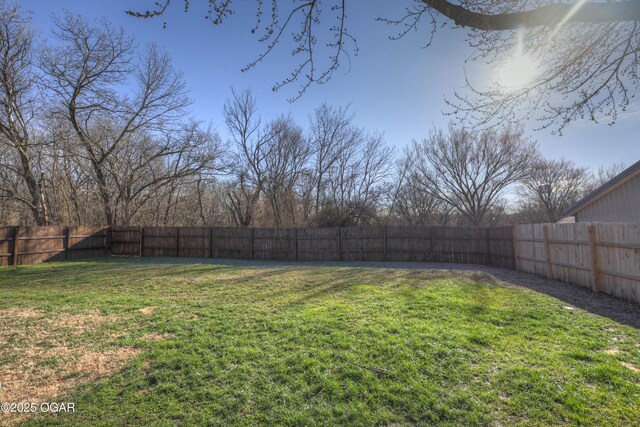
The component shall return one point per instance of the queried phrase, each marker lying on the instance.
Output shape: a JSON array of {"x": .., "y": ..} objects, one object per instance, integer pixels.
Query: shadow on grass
[{"x": 622, "y": 311}]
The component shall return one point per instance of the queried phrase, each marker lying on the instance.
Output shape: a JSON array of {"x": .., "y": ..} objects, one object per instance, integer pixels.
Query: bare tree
[
  {"x": 551, "y": 188},
  {"x": 409, "y": 204},
  {"x": 357, "y": 183},
  {"x": 286, "y": 161},
  {"x": 19, "y": 104},
  {"x": 331, "y": 133},
  {"x": 252, "y": 148},
  {"x": 146, "y": 165},
  {"x": 604, "y": 174},
  {"x": 470, "y": 170},
  {"x": 85, "y": 72}
]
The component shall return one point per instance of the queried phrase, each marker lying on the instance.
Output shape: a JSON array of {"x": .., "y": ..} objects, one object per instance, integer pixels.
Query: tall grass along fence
[{"x": 602, "y": 256}]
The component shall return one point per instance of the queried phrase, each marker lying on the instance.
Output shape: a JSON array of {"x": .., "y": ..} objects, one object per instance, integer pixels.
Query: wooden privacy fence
[
  {"x": 602, "y": 256},
  {"x": 491, "y": 246},
  {"x": 32, "y": 245}
]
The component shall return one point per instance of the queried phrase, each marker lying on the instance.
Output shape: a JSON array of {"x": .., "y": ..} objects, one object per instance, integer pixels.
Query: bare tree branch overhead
[
  {"x": 540, "y": 14},
  {"x": 309, "y": 35},
  {"x": 584, "y": 54}
]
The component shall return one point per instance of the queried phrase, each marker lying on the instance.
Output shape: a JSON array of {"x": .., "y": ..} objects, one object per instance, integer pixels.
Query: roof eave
[{"x": 608, "y": 186}]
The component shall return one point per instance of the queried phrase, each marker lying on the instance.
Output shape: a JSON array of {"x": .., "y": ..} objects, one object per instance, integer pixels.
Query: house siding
[{"x": 622, "y": 204}]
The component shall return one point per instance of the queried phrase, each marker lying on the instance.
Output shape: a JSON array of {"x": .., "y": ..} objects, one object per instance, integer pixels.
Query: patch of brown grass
[
  {"x": 631, "y": 366},
  {"x": 147, "y": 311},
  {"x": 44, "y": 354},
  {"x": 156, "y": 336}
]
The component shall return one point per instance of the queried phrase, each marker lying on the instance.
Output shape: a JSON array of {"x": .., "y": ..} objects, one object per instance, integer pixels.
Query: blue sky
[{"x": 394, "y": 87}]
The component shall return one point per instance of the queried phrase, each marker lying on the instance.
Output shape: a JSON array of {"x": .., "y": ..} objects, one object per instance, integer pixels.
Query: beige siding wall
[{"x": 620, "y": 205}]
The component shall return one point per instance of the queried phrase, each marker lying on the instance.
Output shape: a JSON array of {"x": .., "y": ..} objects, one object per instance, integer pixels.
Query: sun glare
[{"x": 517, "y": 71}]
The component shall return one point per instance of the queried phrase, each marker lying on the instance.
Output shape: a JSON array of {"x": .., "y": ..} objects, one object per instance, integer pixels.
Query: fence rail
[{"x": 602, "y": 256}]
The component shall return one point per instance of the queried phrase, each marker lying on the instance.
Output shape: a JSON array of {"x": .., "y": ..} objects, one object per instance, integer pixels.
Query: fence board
[
  {"x": 501, "y": 247},
  {"x": 613, "y": 252},
  {"x": 318, "y": 244},
  {"x": 125, "y": 240},
  {"x": 230, "y": 242},
  {"x": 274, "y": 244},
  {"x": 619, "y": 266},
  {"x": 6, "y": 245},
  {"x": 51, "y": 243},
  {"x": 87, "y": 242},
  {"x": 39, "y": 244},
  {"x": 409, "y": 244},
  {"x": 194, "y": 242},
  {"x": 531, "y": 249},
  {"x": 465, "y": 245},
  {"x": 159, "y": 242},
  {"x": 362, "y": 244}
]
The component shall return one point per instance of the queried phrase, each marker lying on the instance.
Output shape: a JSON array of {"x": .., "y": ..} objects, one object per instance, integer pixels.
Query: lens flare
[{"x": 517, "y": 71}]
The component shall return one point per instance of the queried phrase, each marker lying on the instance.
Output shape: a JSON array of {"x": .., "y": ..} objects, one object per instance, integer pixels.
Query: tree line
[{"x": 95, "y": 129}]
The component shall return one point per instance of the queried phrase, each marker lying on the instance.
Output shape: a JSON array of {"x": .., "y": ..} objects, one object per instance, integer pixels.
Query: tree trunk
[
  {"x": 34, "y": 190},
  {"x": 103, "y": 190}
]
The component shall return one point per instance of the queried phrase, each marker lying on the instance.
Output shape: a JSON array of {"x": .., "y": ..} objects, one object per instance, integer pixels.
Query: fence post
[
  {"x": 487, "y": 246},
  {"x": 339, "y": 243},
  {"x": 429, "y": 241},
  {"x": 516, "y": 259},
  {"x": 210, "y": 242},
  {"x": 547, "y": 246},
  {"x": 141, "y": 242},
  {"x": 593, "y": 241},
  {"x": 384, "y": 242},
  {"x": 65, "y": 242},
  {"x": 14, "y": 249},
  {"x": 107, "y": 240},
  {"x": 252, "y": 254},
  {"x": 177, "y": 242},
  {"x": 296, "y": 242}
]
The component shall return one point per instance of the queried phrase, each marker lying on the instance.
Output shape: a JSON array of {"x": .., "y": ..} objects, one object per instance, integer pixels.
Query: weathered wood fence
[
  {"x": 32, "y": 245},
  {"x": 490, "y": 246},
  {"x": 602, "y": 256}
]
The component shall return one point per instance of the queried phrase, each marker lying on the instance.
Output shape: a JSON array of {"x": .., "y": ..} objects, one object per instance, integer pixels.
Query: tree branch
[{"x": 547, "y": 15}]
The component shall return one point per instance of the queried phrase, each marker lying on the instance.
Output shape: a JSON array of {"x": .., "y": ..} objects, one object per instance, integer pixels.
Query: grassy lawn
[{"x": 148, "y": 342}]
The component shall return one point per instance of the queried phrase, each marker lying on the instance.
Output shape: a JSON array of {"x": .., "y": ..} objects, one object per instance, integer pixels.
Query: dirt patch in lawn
[
  {"x": 47, "y": 354},
  {"x": 156, "y": 336},
  {"x": 147, "y": 311},
  {"x": 630, "y": 366}
]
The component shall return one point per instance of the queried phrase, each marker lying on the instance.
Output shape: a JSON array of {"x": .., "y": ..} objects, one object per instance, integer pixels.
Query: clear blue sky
[{"x": 395, "y": 87}]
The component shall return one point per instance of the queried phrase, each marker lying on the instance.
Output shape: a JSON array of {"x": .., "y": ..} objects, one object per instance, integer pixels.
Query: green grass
[{"x": 283, "y": 345}]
